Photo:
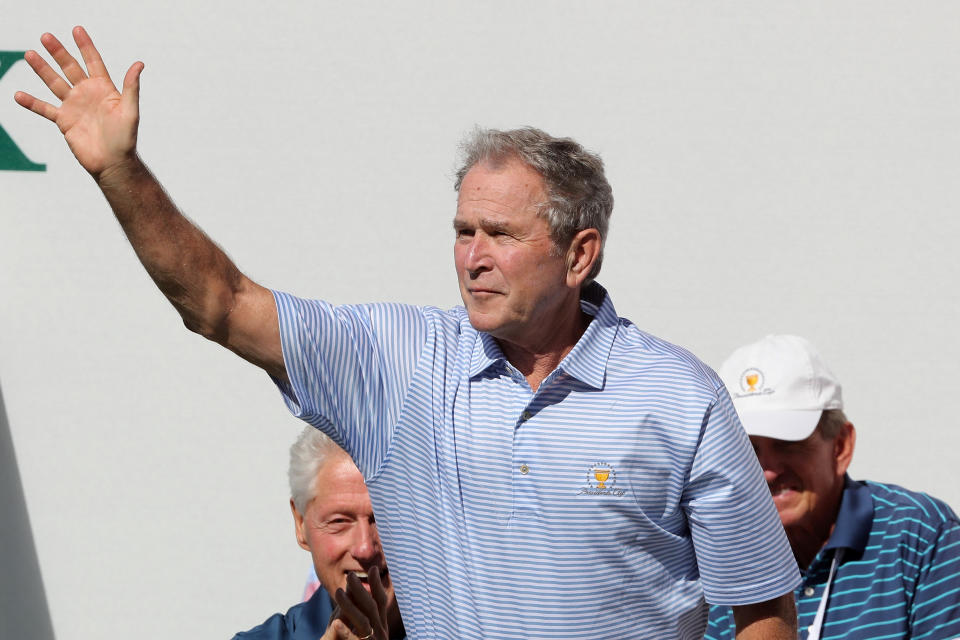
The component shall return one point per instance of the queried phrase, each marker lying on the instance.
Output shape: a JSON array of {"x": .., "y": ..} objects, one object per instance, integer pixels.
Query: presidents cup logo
[
  {"x": 751, "y": 380},
  {"x": 751, "y": 383},
  {"x": 11, "y": 157},
  {"x": 601, "y": 481}
]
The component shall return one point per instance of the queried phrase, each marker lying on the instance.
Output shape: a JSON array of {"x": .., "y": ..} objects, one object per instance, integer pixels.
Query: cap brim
[{"x": 782, "y": 425}]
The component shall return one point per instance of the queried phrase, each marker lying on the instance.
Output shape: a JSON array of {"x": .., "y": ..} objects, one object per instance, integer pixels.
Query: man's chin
[
  {"x": 484, "y": 322},
  {"x": 790, "y": 515}
]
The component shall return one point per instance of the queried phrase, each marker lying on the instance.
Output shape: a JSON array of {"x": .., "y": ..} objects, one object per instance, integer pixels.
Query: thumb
[
  {"x": 131, "y": 86},
  {"x": 343, "y": 631}
]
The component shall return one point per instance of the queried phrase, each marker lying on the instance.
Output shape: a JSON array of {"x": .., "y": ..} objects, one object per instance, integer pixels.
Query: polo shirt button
[
  {"x": 525, "y": 416},
  {"x": 524, "y": 469},
  {"x": 809, "y": 591}
]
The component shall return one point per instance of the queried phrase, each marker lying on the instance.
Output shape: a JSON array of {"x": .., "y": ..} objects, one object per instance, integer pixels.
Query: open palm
[{"x": 97, "y": 121}]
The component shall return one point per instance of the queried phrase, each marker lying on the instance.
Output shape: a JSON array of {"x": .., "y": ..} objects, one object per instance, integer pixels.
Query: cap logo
[
  {"x": 752, "y": 383},
  {"x": 751, "y": 380}
]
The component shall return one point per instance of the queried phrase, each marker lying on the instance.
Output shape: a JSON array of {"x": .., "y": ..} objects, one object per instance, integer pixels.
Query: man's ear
[
  {"x": 582, "y": 254},
  {"x": 298, "y": 526},
  {"x": 843, "y": 447}
]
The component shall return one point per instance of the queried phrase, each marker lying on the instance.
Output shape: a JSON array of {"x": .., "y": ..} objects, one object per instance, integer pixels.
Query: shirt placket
[
  {"x": 809, "y": 593},
  {"x": 527, "y": 464}
]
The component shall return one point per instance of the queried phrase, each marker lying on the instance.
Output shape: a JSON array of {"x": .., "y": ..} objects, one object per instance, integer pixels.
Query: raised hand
[
  {"x": 97, "y": 121},
  {"x": 100, "y": 125}
]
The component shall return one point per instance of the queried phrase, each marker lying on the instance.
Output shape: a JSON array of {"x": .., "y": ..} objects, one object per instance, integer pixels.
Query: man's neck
[
  {"x": 806, "y": 545},
  {"x": 537, "y": 360},
  {"x": 808, "y": 539}
]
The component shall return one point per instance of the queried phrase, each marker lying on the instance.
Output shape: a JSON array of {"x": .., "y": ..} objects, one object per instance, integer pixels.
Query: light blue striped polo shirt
[
  {"x": 900, "y": 573},
  {"x": 605, "y": 505}
]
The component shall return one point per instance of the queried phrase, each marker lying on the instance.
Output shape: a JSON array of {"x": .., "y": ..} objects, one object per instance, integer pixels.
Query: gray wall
[
  {"x": 23, "y": 603},
  {"x": 778, "y": 167}
]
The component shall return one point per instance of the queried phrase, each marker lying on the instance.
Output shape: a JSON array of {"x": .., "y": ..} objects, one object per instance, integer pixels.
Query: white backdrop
[{"x": 777, "y": 168}]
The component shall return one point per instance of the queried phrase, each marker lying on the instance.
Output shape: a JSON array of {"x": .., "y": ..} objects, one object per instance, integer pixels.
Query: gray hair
[
  {"x": 311, "y": 450},
  {"x": 831, "y": 423},
  {"x": 580, "y": 196}
]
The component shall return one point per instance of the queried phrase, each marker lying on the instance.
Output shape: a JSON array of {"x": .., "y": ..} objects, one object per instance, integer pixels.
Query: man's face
[
  {"x": 512, "y": 278},
  {"x": 805, "y": 479},
  {"x": 338, "y": 528}
]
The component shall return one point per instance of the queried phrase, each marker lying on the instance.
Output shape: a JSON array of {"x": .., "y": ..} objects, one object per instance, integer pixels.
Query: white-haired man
[
  {"x": 333, "y": 520},
  {"x": 879, "y": 561},
  {"x": 540, "y": 467}
]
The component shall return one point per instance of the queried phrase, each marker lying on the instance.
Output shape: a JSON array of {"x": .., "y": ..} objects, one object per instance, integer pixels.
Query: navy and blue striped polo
[
  {"x": 606, "y": 504},
  {"x": 899, "y": 576}
]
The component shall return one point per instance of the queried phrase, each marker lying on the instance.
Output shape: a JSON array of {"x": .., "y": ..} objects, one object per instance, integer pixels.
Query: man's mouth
[
  {"x": 365, "y": 577},
  {"x": 782, "y": 491}
]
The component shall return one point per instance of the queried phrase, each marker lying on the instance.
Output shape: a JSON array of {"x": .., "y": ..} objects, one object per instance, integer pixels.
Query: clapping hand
[{"x": 360, "y": 615}]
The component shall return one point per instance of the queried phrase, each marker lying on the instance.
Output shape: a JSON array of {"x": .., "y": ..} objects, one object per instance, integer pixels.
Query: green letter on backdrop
[{"x": 11, "y": 158}]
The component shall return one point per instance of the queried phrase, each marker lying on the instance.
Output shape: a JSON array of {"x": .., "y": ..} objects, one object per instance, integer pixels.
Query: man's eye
[
  {"x": 337, "y": 523},
  {"x": 790, "y": 448}
]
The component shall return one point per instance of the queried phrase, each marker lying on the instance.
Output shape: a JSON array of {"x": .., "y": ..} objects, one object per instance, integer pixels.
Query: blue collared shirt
[
  {"x": 604, "y": 505},
  {"x": 305, "y": 621},
  {"x": 899, "y": 576}
]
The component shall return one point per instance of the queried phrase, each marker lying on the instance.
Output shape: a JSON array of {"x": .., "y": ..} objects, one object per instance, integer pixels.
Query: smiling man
[
  {"x": 333, "y": 520},
  {"x": 539, "y": 466},
  {"x": 880, "y": 561}
]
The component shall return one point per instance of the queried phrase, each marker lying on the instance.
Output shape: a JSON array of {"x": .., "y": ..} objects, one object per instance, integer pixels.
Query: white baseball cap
[{"x": 780, "y": 386}]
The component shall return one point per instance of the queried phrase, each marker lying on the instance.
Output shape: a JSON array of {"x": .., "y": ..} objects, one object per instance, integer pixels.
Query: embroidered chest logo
[{"x": 601, "y": 481}]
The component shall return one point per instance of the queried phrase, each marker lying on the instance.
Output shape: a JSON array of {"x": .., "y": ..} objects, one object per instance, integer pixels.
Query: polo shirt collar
[
  {"x": 854, "y": 519},
  {"x": 587, "y": 361},
  {"x": 314, "y": 621}
]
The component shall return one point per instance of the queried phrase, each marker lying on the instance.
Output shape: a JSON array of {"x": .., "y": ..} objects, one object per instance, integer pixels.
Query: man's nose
[
  {"x": 366, "y": 543},
  {"x": 477, "y": 258},
  {"x": 770, "y": 464},
  {"x": 769, "y": 475}
]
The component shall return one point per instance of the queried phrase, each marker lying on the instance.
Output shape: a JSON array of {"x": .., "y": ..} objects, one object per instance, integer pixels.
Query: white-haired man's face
[{"x": 339, "y": 530}]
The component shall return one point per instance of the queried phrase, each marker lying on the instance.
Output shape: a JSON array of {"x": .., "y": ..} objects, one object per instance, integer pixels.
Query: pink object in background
[{"x": 313, "y": 583}]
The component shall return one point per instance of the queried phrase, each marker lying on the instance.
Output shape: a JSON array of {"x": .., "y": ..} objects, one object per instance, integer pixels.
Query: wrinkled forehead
[{"x": 506, "y": 187}]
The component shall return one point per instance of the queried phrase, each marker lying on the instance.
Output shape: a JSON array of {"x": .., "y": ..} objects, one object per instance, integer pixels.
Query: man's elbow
[
  {"x": 217, "y": 332},
  {"x": 209, "y": 318},
  {"x": 213, "y": 314}
]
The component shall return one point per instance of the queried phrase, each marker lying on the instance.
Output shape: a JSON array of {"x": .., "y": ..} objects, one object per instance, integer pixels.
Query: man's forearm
[{"x": 191, "y": 271}]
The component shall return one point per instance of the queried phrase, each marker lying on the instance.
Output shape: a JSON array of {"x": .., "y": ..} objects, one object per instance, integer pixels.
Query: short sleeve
[
  {"x": 742, "y": 551},
  {"x": 349, "y": 368}
]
